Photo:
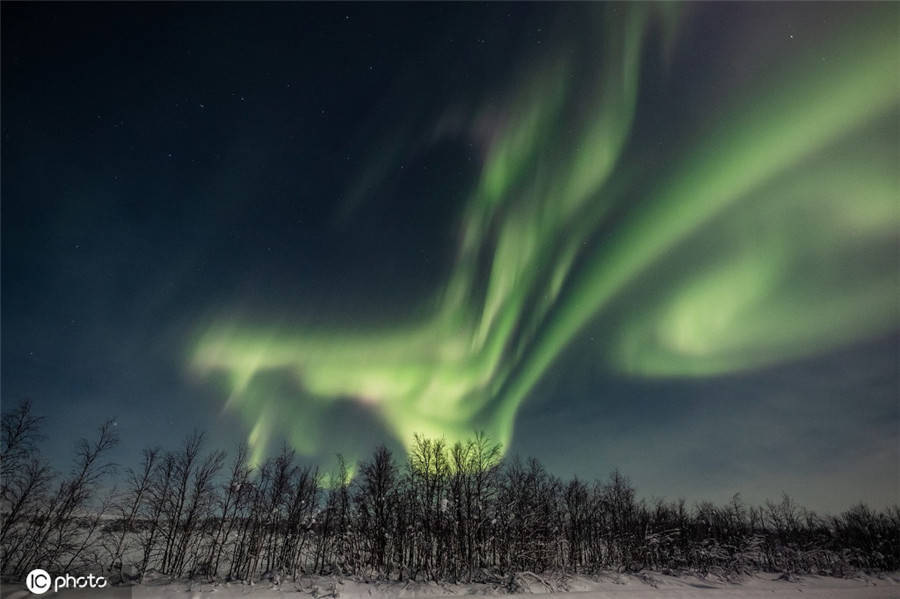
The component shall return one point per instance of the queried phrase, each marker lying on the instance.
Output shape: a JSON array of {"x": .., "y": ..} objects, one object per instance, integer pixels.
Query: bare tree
[
  {"x": 24, "y": 477},
  {"x": 160, "y": 491},
  {"x": 199, "y": 503},
  {"x": 19, "y": 434},
  {"x": 234, "y": 490},
  {"x": 376, "y": 503},
  {"x": 458, "y": 512},
  {"x": 54, "y": 533},
  {"x": 129, "y": 507}
]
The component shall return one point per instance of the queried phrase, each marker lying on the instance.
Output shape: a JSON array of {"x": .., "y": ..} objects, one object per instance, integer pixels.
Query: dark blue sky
[{"x": 165, "y": 166}]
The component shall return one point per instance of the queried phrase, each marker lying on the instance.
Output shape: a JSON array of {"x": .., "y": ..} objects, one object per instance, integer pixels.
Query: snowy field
[{"x": 610, "y": 587}]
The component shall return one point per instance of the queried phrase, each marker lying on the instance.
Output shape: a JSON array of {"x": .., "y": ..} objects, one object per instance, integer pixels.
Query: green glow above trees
[{"x": 780, "y": 223}]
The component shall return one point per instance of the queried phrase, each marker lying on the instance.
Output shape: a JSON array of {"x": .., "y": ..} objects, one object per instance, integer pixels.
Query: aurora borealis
[
  {"x": 536, "y": 206},
  {"x": 585, "y": 207}
]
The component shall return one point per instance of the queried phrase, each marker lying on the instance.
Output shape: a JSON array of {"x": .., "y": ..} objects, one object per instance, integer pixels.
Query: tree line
[{"x": 459, "y": 512}]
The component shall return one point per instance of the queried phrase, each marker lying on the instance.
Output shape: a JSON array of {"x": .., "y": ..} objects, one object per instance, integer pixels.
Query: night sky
[{"x": 656, "y": 237}]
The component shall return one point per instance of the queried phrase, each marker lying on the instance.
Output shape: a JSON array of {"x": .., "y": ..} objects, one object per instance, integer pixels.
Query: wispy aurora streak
[{"x": 785, "y": 212}]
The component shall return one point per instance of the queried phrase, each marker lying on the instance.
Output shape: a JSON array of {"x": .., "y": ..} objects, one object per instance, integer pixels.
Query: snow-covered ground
[
  {"x": 614, "y": 586},
  {"x": 575, "y": 588}
]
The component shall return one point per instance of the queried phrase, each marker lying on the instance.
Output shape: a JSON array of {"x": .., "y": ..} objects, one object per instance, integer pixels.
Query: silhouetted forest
[{"x": 456, "y": 512}]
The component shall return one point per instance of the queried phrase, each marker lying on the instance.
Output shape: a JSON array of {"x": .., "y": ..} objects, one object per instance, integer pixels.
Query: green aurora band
[{"x": 786, "y": 210}]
